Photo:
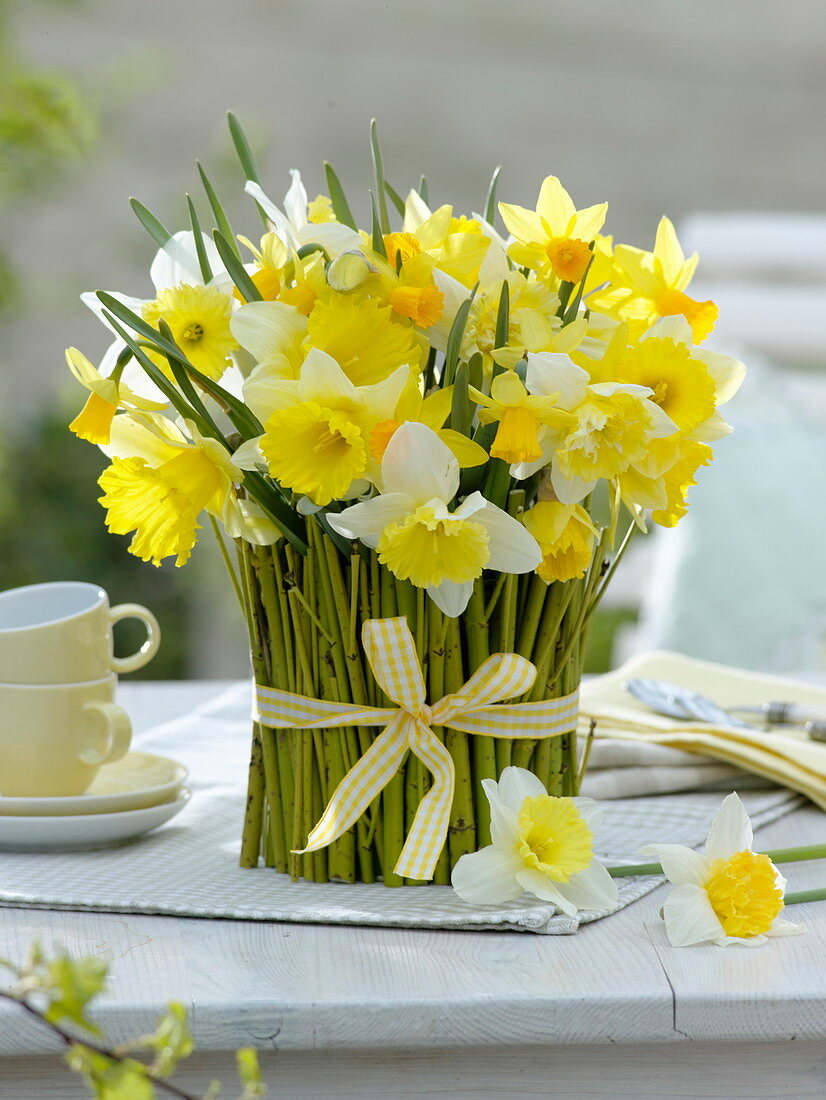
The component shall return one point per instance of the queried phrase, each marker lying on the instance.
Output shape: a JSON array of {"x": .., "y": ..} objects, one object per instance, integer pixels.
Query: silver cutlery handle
[{"x": 793, "y": 714}]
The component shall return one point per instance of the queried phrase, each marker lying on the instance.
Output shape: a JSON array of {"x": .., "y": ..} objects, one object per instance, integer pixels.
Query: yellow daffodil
[
  {"x": 457, "y": 245},
  {"x": 360, "y": 334},
  {"x": 199, "y": 319},
  {"x": 106, "y": 395},
  {"x": 159, "y": 483},
  {"x": 648, "y": 285},
  {"x": 419, "y": 539},
  {"x": 565, "y": 534},
  {"x": 301, "y": 223},
  {"x": 542, "y": 845},
  {"x": 727, "y": 894},
  {"x": 554, "y": 239},
  {"x": 318, "y": 429},
  {"x": 406, "y": 285},
  {"x": 661, "y": 483},
  {"x": 688, "y": 383},
  {"x": 524, "y": 418}
]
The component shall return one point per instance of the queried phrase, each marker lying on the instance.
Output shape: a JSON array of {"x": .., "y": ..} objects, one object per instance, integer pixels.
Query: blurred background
[{"x": 711, "y": 113}]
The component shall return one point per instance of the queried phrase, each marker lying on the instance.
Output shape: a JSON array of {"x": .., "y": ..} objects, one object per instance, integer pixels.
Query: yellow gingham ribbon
[{"x": 391, "y": 652}]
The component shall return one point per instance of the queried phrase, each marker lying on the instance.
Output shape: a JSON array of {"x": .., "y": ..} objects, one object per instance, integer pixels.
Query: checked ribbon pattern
[{"x": 475, "y": 709}]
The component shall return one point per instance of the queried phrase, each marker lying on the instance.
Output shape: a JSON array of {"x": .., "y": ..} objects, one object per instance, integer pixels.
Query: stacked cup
[{"x": 59, "y": 722}]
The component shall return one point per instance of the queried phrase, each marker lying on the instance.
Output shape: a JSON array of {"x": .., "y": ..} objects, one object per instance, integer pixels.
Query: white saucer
[
  {"x": 140, "y": 780},
  {"x": 82, "y": 832}
]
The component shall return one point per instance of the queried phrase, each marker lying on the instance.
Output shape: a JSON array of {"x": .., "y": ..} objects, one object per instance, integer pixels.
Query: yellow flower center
[
  {"x": 429, "y": 547},
  {"x": 611, "y": 433},
  {"x": 403, "y": 244},
  {"x": 302, "y": 296},
  {"x": 314, "y": 450},
  {"x": 381, "y": 435},
  {"x": 198, "y": 317},
  {"x": 702, "y": 316},
  {"x": 517, "y": 437},
  {"x": 320, "y": 210},
  {"x": 569, "y": 257},
  {"x": 422, "y": 304},
  {"x": 94, "y": 421},
  {"x": 268, "y": 282},
  {"x": 683, "y": 387},
  {"x": 554, "y": 838},
  {"x": 744, "y": 893}
]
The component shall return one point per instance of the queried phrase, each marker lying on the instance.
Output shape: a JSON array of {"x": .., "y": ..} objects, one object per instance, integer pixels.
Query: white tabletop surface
[{"x": 386, "y": 1012}]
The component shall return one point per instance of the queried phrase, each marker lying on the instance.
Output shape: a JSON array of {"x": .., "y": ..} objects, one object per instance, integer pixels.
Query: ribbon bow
[{"x": 391, "y": 652}]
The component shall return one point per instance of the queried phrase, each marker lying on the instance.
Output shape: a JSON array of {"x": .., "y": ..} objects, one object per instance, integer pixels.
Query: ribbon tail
[
  {"x": 428, "y": 832},
  {"x": 361, "y": 784}
]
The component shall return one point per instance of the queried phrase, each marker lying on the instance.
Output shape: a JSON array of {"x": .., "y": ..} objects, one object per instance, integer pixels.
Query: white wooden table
[{"x": 371, "y": 1012}]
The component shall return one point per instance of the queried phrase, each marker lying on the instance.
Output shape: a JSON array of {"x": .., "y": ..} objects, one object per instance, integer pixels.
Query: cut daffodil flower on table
[
  {"x": 542, "y": 845},
  {"x": 727, "y": 894},
  {"x": 416, "y": 535}
]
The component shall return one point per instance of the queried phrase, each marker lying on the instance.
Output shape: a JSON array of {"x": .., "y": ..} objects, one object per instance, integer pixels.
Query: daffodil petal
[
  {"x": 730, "y": 830},
  {"x": 589, "y": 810},
  {"x": 534, "y": 882},
  {"x": 419, "y": 465},
  {"x": 592, "y": 888},
  {"x": 785, "y": 928},
  {"x": 504, "y": 827},
  {"x": 513, "y": 549},
  {"x": 568, "y": 488},
  {"x": 552, "y": 373},
  {"x": 689, "y": 917},
  {"x": 451, "y": 597},
  {"x": 267, "y": 329},
  {"x": 177, "y": 262},
  {"x": 487, "y": 877},
  {"x": 680, "y": 865},
  {"x": 367, "y": 520},
  {"x": 323, "y": 380},
  {"x": 517, "y": 784},
  {"x": 249, "y": 455}
]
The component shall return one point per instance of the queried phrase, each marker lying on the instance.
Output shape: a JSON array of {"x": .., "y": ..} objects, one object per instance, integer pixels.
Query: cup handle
[
  {"x": 153, "y": 636},
  {"x": 118, "y": 734}
]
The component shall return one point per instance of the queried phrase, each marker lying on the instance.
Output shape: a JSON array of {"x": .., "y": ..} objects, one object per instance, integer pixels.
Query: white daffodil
[
  {"x": 610, "y": 427},
  {"x": 294, "y": 224},
  {"x": 542, "y": 845},
  {"x": 727, "y": 894},
  {"x": 196, "y": 312},
  {"x": 416, "y": 535}
]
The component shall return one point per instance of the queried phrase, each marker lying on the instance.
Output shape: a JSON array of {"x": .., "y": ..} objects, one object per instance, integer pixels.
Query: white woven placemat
[{"x": 190, "y": 866}]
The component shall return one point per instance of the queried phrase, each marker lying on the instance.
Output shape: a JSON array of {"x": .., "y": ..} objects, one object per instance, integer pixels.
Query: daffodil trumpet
[{"x": 443, "y": 418}]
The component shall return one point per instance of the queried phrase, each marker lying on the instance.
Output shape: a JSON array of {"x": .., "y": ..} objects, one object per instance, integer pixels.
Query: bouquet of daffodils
[{"x": 420, "y": 444}]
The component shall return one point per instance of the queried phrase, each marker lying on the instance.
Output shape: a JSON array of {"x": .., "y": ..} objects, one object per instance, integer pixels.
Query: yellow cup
[
  {"x": 54, "y": 737},
  {"x": 61, "y": 633}
]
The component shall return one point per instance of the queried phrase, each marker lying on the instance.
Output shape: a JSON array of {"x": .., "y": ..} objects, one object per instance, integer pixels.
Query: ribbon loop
[{"x": 391, "y": 652}]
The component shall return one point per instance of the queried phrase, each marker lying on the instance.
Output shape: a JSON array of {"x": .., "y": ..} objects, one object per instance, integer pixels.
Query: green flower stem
[
  {"x": 778, "y": 855},
  {"x": 392, "y": 799},
  {"x": 354, "y": 742},
  {"x": 256, "y": 781},
  {"x": 436, "y": 689},
  {"x": 462, "y": 828},
  {"x": 805, "y": 895},
  {"x": 253, "y": 813},
  {"x": 484, "y": 748}
]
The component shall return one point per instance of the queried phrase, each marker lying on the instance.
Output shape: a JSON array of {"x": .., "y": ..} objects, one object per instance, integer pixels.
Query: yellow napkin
[{"x": 784, "y": 754}]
